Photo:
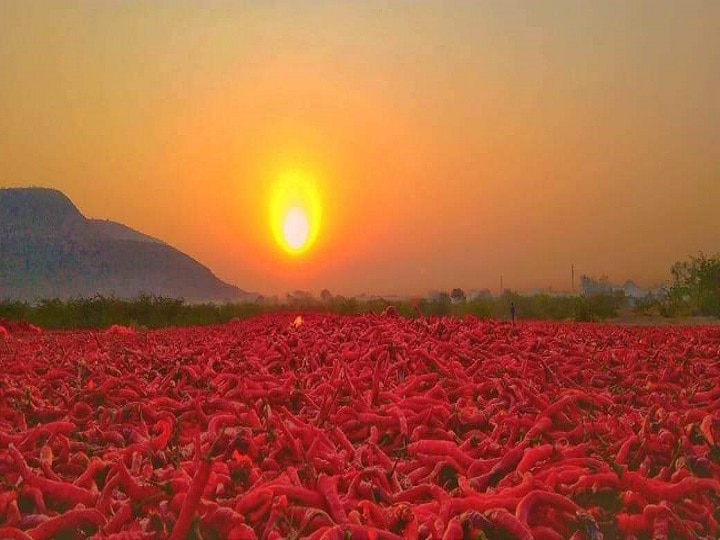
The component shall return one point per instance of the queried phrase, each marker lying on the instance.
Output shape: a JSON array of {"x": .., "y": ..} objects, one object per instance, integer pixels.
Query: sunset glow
[
  {"x": 295, "y": 213},
  {"x": 425, "y": 147}
]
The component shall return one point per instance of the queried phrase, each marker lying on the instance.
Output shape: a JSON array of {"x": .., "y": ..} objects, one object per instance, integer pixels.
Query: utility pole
[
  {"x": 502, "y": 289},
  {"x": 572, "y": 272}
]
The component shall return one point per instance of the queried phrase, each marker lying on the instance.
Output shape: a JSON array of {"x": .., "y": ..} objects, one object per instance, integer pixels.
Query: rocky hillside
[{"x": 48, "y": 249}]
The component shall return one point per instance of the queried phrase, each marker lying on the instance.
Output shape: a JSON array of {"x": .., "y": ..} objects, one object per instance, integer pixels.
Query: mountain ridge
[{"x": 49, "y": 249}]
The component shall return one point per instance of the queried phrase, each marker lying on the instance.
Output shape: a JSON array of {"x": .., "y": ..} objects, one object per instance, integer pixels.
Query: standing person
[{"x": 512, "y": 312}]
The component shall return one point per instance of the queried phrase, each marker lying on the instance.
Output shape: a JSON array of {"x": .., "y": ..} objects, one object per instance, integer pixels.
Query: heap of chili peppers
[{"x": 371, "y": 427}]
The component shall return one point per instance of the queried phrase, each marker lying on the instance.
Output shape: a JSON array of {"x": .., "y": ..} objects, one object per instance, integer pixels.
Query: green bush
[
  {"x": 102, "y": 312},
  {"x": 158, "y": 312},
  {"x": 695, "y": 289},
  {"x": 599, "y": 307}
]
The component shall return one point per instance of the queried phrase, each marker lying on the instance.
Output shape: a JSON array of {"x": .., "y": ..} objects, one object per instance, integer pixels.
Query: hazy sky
[{"x": 452, "y": 141}]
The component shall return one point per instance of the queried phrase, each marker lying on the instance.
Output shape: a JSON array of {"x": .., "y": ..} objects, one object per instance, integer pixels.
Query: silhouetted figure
[{"x": 512, "y": 312}]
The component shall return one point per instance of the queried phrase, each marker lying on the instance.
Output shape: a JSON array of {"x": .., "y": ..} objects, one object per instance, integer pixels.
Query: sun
[
  {"x": 295, "y": 212},
  {"x": 296, "y": 228}
]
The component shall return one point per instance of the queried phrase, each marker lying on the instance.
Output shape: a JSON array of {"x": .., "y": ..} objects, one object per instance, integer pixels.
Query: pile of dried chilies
[{"x": 361, "y": 427}]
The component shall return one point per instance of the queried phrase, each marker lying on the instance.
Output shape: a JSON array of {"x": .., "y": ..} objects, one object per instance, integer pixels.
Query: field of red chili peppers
[{"x": 361, "y": 427}]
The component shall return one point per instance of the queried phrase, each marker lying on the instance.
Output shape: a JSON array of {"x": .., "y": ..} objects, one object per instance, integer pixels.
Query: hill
[{"x": 48, "y": 249}]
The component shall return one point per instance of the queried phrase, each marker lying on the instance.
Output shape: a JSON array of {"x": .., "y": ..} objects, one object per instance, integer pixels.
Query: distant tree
[
  {"x": 300, "y": 299},
  {"x": 485, "y": 293},
  {"x": 440, "y": 304},
  {"x": 457, "y": 295},
  {"x": 591, "y": 286},
  {"x": 647, "y": 305},
  {"x": 326, "y": 296},
  {"x": 347, "y": 306},
  {"x": 696, "y": 287},
  {"x": 599, "y": 306}
]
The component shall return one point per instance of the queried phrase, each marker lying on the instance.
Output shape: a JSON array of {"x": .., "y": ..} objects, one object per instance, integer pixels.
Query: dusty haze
[{"x": 453, "y": 142}]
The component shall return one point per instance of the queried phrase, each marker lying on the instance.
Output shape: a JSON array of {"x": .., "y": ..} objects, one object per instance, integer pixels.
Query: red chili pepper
[
  {"x": 706, "y": 427},
  {"x": 46, "y": 460},
  {"x": 135, "y": 491},
  {"x": 12, "y": 533},
  {"x": 357, "y": 532},
  {"x": 624, "y": 451},
  {"x": 130, "y": 535},
  {"x": 73, "y": 520},
  {"x": 510, "y": 525},
  {"x": 165, "y": 427},
  {"x": 12, "y": 513},
  {"x": 300, "y": 495},
  {"x": 94, "y": 468},
  {"x": 53, "y": 489},
  {"x": 253, "y": 499},
  {"x": 328, "y": 488},
  {"x": 534, "y": 455},
  {"x": 454, "y": 530},
  {"x": 27, "y": 491},
  {"x": 657, "y": 490},
  {"x": 440, "y": 448},
  {"x": 541, "y": 532},
  {"x": 192, "y": 499},
  {"x": 122, "y": 516},
  {"x": 537, "y": 497}
]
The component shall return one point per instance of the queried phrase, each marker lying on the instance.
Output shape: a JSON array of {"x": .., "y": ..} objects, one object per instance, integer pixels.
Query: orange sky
[{"x": 452, "y": 141}]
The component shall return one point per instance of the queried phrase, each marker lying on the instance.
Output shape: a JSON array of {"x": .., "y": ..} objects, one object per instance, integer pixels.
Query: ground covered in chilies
[{"x": 361, "y": 427}]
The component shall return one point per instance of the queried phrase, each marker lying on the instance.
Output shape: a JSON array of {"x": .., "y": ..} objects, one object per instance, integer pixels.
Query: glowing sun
[
  {"x": 295, "y": 212},
  {"x": 296, "y": 229}
]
